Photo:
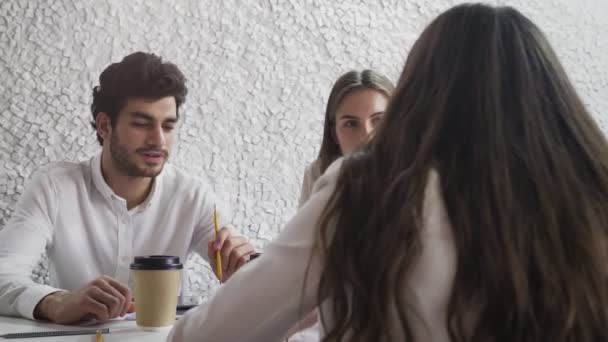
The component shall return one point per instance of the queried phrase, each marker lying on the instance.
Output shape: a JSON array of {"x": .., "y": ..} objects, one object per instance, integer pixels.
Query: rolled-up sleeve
[{"x": 268, "y": 295}]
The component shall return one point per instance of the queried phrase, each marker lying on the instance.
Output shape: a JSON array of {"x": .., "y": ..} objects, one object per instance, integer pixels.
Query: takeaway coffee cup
[{"x": 156, "y": 281}]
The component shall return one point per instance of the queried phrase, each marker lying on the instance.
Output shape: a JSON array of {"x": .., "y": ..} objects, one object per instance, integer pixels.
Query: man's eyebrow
[
  {"x": 148, "y": 117},
  {"x": 142, "y": 115}
]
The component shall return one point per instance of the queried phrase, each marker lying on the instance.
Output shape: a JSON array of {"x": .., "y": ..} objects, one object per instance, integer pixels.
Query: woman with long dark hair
[{"x": 478, "y": 212}]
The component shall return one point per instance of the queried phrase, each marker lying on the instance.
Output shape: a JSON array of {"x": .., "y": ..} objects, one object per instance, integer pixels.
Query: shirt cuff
[{"x": 31, "y": 297}]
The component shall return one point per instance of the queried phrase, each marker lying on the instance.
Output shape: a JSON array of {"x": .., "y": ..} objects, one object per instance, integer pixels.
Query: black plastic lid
[{"x": 156, "y": 262}]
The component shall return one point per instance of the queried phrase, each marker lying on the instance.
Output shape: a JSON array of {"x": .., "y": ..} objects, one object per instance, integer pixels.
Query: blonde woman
[{"x": 356, "y": 105}]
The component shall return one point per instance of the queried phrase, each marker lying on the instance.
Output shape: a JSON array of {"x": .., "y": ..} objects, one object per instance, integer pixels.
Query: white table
[{"x": 122, "y": 331}]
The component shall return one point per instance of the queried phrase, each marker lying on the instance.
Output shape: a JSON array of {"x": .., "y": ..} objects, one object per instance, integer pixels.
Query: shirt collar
[{"x": 109, "y": 194}]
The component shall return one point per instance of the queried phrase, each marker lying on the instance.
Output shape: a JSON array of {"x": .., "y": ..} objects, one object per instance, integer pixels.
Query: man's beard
[{"x": 127, "y": 166}]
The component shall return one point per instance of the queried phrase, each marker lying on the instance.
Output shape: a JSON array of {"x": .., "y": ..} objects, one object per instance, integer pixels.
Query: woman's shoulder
[
  {"x": 313, "y": 170},
  {"x": 329, "y": 177}
]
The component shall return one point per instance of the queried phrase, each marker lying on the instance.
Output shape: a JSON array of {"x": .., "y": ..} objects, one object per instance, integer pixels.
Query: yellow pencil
[
  {"x": 218, "y": 256},
  {"x": 99, "y": 336}
]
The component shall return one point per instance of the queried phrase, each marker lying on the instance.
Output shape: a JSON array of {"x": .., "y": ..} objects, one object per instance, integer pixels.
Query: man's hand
[
  {"x": 234, "y": 250},
  {"x": 102, "y": 299}
]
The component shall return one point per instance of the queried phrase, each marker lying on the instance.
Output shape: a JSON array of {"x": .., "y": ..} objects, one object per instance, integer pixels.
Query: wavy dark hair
[
  {"x": 523, "y": 170},
  {"x": 344, "y": 86},
  {"x": 138, "y": 75}
]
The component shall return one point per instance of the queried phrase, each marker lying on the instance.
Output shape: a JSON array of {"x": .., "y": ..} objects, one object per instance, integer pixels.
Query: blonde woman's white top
[
  {"x": 263, "y": 299},
  {"x": 311, "y": 174}
]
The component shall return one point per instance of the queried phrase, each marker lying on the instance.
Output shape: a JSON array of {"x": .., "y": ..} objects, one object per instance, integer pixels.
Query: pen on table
[
  {"x": 97, "y": 332},
  {"x": 218, "y": 256}
]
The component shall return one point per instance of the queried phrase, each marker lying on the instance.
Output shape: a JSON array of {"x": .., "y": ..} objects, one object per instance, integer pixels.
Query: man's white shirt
[{"x": 69, "y": 211}]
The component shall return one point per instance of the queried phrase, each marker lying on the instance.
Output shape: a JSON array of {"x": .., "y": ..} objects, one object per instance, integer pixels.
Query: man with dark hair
[{"x": 93, "y": 217}]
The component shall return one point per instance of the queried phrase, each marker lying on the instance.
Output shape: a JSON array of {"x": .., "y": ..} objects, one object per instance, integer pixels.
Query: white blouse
[
  {"x": 311, "y": 174},
  {"x": 264, "y": 298}
]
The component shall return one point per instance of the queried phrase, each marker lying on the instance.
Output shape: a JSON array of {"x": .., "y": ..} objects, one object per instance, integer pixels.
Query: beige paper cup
[{"x": 156, "y": 281}]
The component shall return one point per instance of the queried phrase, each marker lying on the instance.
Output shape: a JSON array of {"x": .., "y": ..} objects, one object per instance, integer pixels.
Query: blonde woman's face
[{"x": 357, "y": 116}]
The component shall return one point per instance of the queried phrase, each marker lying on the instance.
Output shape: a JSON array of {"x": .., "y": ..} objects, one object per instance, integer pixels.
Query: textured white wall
[{"x": 259, "y": 73}]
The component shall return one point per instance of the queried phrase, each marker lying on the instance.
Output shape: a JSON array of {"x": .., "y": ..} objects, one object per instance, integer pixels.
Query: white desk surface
[{"x": 119, "y": 331}]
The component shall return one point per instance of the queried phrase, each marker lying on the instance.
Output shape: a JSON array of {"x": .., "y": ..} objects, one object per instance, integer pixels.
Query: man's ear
[{"x": 104, "y": 125}]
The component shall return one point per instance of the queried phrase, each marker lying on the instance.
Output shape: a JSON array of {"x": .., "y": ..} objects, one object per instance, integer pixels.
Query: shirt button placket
[
  {"x": 128, "y": 251},
  {"x": 124, "y": 246}
]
